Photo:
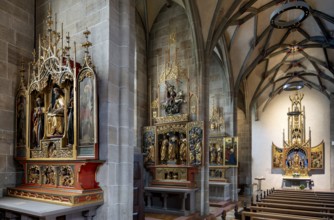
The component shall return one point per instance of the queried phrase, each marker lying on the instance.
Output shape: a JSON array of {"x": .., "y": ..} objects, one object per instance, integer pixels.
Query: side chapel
[{"x": 134, "y": 109}]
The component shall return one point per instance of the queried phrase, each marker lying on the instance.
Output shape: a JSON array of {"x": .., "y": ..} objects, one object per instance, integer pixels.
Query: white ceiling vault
[{"x": 262, "y": 58}]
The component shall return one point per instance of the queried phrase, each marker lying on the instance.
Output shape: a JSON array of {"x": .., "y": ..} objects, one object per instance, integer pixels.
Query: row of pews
[{"x": 291, "y": 205}]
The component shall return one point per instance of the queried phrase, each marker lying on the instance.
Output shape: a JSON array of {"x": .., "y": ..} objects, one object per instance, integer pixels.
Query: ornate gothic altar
[
  {"x": 173, "y": 144},
  {"x": 56, "y": 124},
  {"x": 297, "y": 158}
]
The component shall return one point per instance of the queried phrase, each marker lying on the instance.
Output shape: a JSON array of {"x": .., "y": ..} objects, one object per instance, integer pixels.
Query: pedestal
[
  {"x": 184, "y": 197},
  {"x": 220, "y": 191},
  {"x": 259, "y": 180}
]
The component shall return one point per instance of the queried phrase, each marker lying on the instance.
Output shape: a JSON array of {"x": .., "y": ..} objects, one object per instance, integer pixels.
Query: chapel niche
[
  {"x": 223, "y": 148},
  {"x": 297, "y": 157},
  {"x": 56, "y": 124},
  {"x": 173, "y": 144}
]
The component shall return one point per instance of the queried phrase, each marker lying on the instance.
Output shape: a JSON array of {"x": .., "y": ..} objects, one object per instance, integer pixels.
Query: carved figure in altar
[
  {"x": 195, "y": 142},
  {"x": 183, "y": 148},
  {"x": 52, "y": 150},
  {"x": 49, "y": 174},
  {"x": 163, "y": 149},
  {"x": 70, "y": 127},
  {"x": 150, "y": 153},
  {"x": 316, "y": 159},
  {"x": 213, "y": 153},
  {"x": 33, "y": 174},
  {"x": 66, "y": 176},
  {"x": 56, "y": 113},
  {"x": 198, "y": 151},
  {"x": 296, "y": 160},
  {"x": 38, "y": 119},
  {"x": 21, "y": 120},
  {"x": 174, "y": 100},
  {"x": 172, "y": 148},
  {"x": 219, "y": 154}
]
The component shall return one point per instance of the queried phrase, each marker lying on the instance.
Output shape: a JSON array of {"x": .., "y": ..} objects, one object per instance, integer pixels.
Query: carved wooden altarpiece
[
  {"x": 297, "y": 157},
  {"x": 56, "y": 125},
  {"x": 173, "y": 145}
]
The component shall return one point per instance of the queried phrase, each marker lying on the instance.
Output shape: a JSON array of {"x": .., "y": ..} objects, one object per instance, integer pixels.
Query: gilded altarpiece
[
  {"x": 223, "y": 154},
  {"x": 297, "y": 157},
  {"x": 173, "y": 144},
  {"x": 56, "y": 124}
]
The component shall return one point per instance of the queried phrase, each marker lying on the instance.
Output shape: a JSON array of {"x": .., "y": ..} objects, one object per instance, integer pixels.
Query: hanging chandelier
[{"x": 300, "y": 11}]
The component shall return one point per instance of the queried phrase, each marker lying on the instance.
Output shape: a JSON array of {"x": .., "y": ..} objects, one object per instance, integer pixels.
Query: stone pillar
[
  {"x": 16, "y": 42},
  {"x": 118, "y": 114},
  {"x": 331, "y": 141}
]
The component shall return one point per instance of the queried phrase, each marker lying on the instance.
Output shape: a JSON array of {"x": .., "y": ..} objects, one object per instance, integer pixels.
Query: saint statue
[
  {"x": 38, "y": 119},
  {"x": 21, "y": 121},
  {"x": 150, "y": 151},
  {"x": 219, "y": 154},
  {"x": 172, "y": 148},
  {"x": 213, "y": 153},
  {"x": 70, "y": 127},
  {"x": 163, "y": 149},
  {"x": 183, "y": 148},
  {"x": 174, "y": 100},
  {"x": 56, "y": 113}
]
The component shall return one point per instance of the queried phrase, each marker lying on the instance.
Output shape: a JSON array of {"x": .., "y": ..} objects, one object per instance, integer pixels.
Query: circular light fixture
[
  {"x": 301, "y": 10},
  {"x": 294, "y": 113},
  {"x": 297, "y": 85}
]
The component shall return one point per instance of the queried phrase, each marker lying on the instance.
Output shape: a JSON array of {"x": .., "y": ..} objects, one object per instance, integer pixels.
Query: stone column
[
  {"x": 117, "y": 129},
  {"x": 331, "y": 141}
]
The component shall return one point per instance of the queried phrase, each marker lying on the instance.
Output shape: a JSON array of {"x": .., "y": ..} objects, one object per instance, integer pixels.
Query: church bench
[
  {"x": 304, "y": 192},
  {"x": 275, "y": 216},
  {"x": 292, "y": 212},
  {"x": 299, "y": 199},
  {"x": 296, "y": 207},
  {"x": 310, "y": 203},
  {"x": 292, "y": 199},
  {"x": 301, "y": 196}
]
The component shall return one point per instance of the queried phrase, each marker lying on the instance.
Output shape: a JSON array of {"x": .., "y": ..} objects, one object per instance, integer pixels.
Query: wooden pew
[
  {"x": 275, "y": 216},
  {"x": 296, "y": 207},
  {"x": 308, "y": 203},
  {"x": 305, "y": 192},
  {"x": 293, "y": 199},
  {"x": 292, "y": 204},
  {"x": 292, "y": 212}
]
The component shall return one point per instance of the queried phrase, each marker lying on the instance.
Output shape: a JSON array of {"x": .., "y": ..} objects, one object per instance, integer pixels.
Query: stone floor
[
  {"x": 214, "y": 210},
  {"x": 151, "y": 216}
]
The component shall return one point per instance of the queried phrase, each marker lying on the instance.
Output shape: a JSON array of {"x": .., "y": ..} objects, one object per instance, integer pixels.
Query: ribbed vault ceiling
[{"x": 264, "y": 58}]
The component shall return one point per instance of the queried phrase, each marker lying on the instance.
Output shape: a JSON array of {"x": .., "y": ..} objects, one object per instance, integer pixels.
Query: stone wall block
[
  {"x": 7, "y": 34},
  {"x": 6, "y": 120},
  {"x": 113, "y": 136},
  {"x": 4, "y": 71},
  {"x": 3, "y": 161},
  {"x": 14, "y": 11},
  {"x": 113, "y": 119},
  {"x": 15, "y": 55}
]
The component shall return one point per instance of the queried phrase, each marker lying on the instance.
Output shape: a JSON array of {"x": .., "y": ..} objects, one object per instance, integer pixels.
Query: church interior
[{"x": 166, "y": 109}]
